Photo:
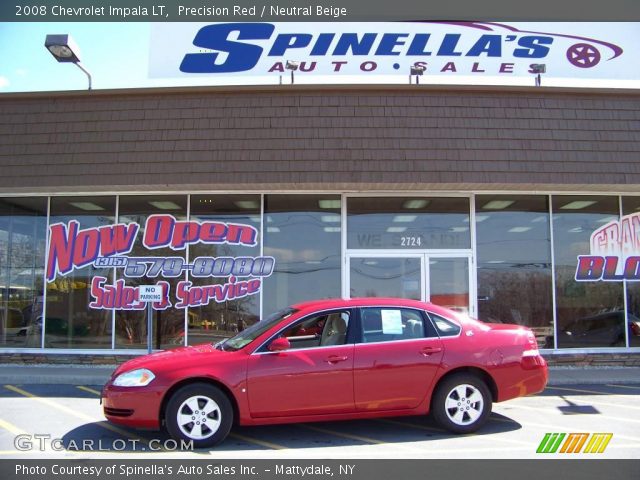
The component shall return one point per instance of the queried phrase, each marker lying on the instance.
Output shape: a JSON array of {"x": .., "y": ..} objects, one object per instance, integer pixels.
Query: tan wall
[{"x": 321, "y": 138}]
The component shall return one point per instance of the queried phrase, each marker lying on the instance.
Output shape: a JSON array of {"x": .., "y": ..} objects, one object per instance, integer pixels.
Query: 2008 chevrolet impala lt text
[{"x": 331, "y": 360}]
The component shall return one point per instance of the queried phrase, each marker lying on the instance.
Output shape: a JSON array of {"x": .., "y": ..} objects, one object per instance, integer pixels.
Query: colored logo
[
  {"x": 574, "y": 443},
  {"x": 614, "y": 252},
  {"x": 583, "y": 55}
]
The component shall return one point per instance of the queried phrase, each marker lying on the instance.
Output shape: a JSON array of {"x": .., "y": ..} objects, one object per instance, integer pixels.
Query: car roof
[{"x": 367, "y": 301}]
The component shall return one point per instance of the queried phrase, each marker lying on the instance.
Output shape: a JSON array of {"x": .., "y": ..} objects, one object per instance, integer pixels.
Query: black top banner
[{"x": 314, "y": 10}]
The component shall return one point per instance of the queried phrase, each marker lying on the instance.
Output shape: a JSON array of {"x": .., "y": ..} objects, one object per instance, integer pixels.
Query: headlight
[{"x": 135, "y": 378}]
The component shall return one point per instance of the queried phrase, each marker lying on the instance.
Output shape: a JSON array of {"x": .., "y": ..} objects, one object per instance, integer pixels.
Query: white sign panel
[
  {"x": 150, "y": 293},
  {"x": 257, "y": 53},
  {"x": 391, "y": 322}
]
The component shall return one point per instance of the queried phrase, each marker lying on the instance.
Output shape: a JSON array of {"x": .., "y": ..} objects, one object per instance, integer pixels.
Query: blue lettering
[
  {"x": 489, "y": 44},
  {"x": 389, "y": 42},
  {"x": 418, "y": 44},
  {"x": 241, "y": 56},
  {"x": 533, "y": 47},
  {"x": 285, "y": 41},
  {"x": 351, "y": 41},
  {"x": 321, "y": 47},
  {"x": 449, "y": 44}
]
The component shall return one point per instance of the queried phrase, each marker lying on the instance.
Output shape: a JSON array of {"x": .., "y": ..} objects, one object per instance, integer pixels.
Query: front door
[
  {"x": 442, "y": 278},
  {"x": 314, "y": 377}
]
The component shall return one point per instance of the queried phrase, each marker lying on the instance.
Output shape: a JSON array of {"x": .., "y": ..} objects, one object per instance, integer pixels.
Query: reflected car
[
  {"x": 601, "y": 330},
  {"x": 331, "y": 360}
]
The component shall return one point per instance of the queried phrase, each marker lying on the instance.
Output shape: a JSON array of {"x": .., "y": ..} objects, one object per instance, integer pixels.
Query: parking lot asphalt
[{"x": 68, "y": 422}]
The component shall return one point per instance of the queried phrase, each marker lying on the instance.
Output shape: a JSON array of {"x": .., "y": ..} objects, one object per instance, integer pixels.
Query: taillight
[{"x": 531, "y": 357}]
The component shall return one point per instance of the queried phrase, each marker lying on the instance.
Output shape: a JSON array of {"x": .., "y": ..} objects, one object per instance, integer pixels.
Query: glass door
[
  {"x": 386, "y": 275},
  {"x": 441, "y": 278}
]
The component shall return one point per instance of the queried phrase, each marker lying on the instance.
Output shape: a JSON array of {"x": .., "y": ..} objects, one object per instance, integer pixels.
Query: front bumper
[{"x": 137, "y": 407}]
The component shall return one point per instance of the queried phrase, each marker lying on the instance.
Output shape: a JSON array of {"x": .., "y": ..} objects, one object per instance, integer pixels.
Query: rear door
[{"x": 396, "y": 359}]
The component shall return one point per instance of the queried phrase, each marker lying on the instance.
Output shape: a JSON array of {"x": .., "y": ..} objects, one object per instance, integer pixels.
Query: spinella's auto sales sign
[{"x": 330, "y": 51}]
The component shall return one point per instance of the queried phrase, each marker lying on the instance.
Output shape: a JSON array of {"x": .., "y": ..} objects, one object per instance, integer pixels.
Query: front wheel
[
  {"x": 200, "y": 413},
  {"x": 461, "y": 403}
]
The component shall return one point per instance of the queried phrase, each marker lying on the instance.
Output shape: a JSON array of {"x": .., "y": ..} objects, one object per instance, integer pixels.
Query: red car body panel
[{"x": 362, "y": 380}]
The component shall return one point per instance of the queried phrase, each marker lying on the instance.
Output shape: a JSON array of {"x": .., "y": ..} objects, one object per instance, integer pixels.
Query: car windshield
[{"x": 248, "y": 335}]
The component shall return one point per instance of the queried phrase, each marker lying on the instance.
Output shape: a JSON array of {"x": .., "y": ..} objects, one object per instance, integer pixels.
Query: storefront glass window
[
  {"x": 23, "y": 226},
  {"x": 407, "y": 223},
  {"x": 514, "y": 263},
  {"x": 589, "y": 314},
  {"x": 70, "y": 322},
  {"x": 302, "y": 233},
  {"x": 632, "y": 205},
  {"x": 168, "y": 324},
  {"x": 218, "y": 319}
]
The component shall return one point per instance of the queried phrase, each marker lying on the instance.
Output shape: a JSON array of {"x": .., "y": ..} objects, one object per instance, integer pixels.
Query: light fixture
[
  {"x": 519, "y": 229},
  {"x": 415, "y": 203},
  {"x": 332, "y": 229},
  {"x": 396, "y": 229},
  {"x": 329, "y": 204},
  {"x": 418, "y": 71},
  {"x": 164, "y": 205},
  {"x": 65, "y": 50},
  {"x": 607, "y": 219},
  {"x": 538, "y": 69},
  {"x": 293, "y": 66},
  {"x": 541, "y": 218},
  {"x": 576, "y": 230},
  {"x": 459, "y": 229},
  {"x": 498, "y": 204},
  {"x": 273, "y": 230},
  {"x": 578, "y": 205},
  {"x": 246, "y": 204},
  {"x": 404, "y": 218},
  {"x": 88, "y": 206},
  {"x": 330, "y": 218}
]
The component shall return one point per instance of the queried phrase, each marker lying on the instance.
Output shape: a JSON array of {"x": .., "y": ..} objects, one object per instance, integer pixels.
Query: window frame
[{"x": 422, "y": 313}]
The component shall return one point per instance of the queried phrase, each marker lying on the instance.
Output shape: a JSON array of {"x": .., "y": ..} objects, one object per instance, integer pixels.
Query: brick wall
[{"x": 321, "y": 138}]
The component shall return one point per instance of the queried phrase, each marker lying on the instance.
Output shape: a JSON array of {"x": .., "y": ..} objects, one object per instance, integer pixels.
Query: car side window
[
  {"x": 384, "y": 324},
  {"x": 446, "y": 328},
  {"x": 321, "y": 330}
]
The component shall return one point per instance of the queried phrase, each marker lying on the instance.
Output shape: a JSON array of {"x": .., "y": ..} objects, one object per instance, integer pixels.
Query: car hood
[{"x": 169, "y": 359}]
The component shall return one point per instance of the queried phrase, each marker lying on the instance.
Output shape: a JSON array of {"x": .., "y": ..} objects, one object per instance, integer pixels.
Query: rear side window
[
  {"x": 384, "y": 324},
  {"x": 445, "y": 328}
]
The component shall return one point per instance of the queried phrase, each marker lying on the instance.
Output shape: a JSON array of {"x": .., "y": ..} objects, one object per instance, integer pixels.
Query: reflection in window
[
  {"x": 70, "y": 323},
  {"x": 514, "y": 263},
  {"x": 589, "y": 314},
  {"x": 302, "y": 232},
  {"x": 386, "y": 277},
  {"x": 632, "y": 205},
  {"x": 168, "y": 325},
  {"x": 407, "y": 222},
  {"x": 23, "y": 225},
  {"x": 215, "y": 321}
]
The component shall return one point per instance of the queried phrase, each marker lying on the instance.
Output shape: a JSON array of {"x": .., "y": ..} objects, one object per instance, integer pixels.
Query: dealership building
[{"x": 480, "y": 199}]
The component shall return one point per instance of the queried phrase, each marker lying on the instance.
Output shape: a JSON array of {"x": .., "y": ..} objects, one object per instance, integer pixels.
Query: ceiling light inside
[
  {"x": 165, "y": 205},
  {"x": 498, "y": 204},
  {"x": 328, "y": 204},
  {"x": 88, "y": 206},
  {"x": 415, "y": 203},
  {"x": 405, "y": 218},
  {"x": 519, "y": 229},
  {"x": 578, "y": 205}
]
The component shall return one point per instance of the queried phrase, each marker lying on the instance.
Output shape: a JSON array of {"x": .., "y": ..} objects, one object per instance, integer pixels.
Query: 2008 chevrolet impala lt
[{"x": 331, "y": 360}]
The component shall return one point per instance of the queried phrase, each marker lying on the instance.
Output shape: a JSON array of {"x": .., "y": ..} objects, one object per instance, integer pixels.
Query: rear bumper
[
  {"x": 136, "y": 407},
  {"x": 527, "y": 381}
]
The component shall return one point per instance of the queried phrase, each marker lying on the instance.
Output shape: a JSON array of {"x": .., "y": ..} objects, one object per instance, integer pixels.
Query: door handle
[
  {"x": 426, "y": 351},
  {"x": 333, "y": 359}
]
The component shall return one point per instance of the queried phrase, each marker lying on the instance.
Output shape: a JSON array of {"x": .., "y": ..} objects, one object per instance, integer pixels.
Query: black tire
[
  {"x": 473, "y": 415},
  {"x": 221, "y": 417}
]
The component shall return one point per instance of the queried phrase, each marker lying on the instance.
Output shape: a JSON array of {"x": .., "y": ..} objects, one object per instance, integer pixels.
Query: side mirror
[{"x": 279, "y": 344}]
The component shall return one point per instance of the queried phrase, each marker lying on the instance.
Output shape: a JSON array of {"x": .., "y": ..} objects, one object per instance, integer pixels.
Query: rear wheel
[
  {"x": 461, "y": 403},
  {"x": 200, "y": 413}
]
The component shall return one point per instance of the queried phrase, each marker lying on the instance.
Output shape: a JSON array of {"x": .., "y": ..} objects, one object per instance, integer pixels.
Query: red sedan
[{"x": 331, "y": 360}]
